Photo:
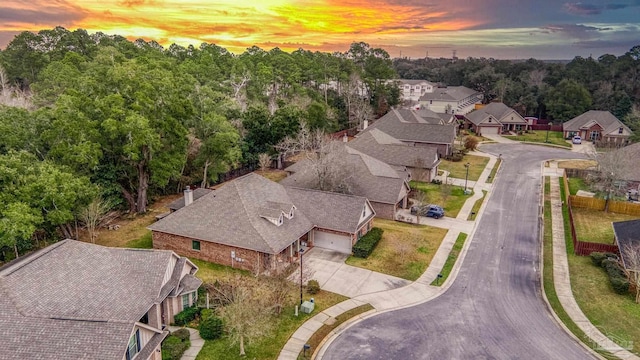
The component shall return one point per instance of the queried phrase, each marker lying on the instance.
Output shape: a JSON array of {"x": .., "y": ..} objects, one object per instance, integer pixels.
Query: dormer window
[
  {"x": 280, "y": 220},
  {"x": 291, "y": 213},
  {"x": 620, "y": 130},
  {"x": 364, "y": 211}
]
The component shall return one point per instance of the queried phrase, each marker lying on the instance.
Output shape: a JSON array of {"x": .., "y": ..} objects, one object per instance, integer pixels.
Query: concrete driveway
[{"x": 334, "y": 275}]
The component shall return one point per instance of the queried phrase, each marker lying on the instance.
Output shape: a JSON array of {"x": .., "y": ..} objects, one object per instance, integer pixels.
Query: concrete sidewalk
[
  {"x": 196, "y": 343},
  {"x": 415, "y": 293},
  {"x": 561, "y": 279}
]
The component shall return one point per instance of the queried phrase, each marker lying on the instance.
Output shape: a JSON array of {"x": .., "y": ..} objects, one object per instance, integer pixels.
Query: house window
[
  {"x": 134, "y": 345},
  {"x": 620, "y": 130},
  {"x": 364, "y": 211},
  {"x": 185, "y": 301},
  {"x": 195, "y": 245}
]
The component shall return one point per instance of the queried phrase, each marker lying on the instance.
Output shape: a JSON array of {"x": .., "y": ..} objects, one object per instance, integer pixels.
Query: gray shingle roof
[
  {"x": 608, "y": 122},
  {"x": 232, "y": 215},
  {"x": 632, "y": 151},
  {"x": 450, "y": 93},
  {"x": 627, "y": 233},
  {"x": 413, "y": 82},
  {"x": 197, "y": 194},
  {"x": 385, "y": 148},
  {"x": 329, "y": 210},
  {"x": 498, "y": 110},
  {"x": 365, "y": 176},
  {"x": 402, "y": 126},
  {"x": 75, "y": 300}
]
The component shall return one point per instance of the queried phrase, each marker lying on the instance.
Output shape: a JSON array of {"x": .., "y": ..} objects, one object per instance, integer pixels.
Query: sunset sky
[{"x": 510, "y": 29}]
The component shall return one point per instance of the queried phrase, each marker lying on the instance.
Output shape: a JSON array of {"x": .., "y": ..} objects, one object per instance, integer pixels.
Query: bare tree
[
  {"x": 536, "y": 77},
  {"x": 92, "y": 215},
  {"x": 631, "y": 260},
  {"x": 610, "y": 174},
  {"x": 419, "y": 171},
  {"x": 358, "y": 106},
  {"x": 264, "y": 160},
  {"x": 246, "y": 316},
  {"x": 11, "y": 95},
  {"x": 280, "y": 291},
  {"x": 420, "y": 198},
  {"x": 402, "y": 249},
  {"x": 239, "y": 84}
]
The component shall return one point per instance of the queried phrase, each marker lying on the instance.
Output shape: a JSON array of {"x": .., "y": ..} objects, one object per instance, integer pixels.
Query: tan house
[
  {"x": 494, "y": 119},
  {"x": 74, "y": 300},
  {"x": 598, "y": 126},
  {"x": 259, "y": 225},
  {"x": 458, "y": 100}
]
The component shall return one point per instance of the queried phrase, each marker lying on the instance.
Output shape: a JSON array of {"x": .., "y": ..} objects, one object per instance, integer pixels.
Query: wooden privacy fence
[
  {"x": 584, "y": 248},
  {"x": 618, "y": 207}
]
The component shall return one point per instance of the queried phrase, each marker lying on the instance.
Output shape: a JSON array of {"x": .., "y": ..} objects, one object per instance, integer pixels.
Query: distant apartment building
[{"x": 458, "y": 100}]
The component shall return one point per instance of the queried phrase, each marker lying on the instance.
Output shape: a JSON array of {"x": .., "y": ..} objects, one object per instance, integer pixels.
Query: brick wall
[
  {"x": 212, "y": 252},
  {"x": 384, "y": 211}
]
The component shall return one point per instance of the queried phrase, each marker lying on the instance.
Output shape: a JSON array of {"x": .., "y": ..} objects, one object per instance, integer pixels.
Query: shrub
[
  {"x": 436, "y": 181},
  {"x": 182, "y": 334},
  {"x": 206, "y": 313},
  {"x": 597, "y": 257},
  {"x": 186, "y": 316},
  {"x": 617, "y": 276},
  {"x": 620, "y": 285},
  {"x": 364, "y": 247},
  {"x": 211, "y": 328},
  {"x": 173, "y": 347},
  {"x": 313, "y": 286},
  {"x": 470, "y": 142}
]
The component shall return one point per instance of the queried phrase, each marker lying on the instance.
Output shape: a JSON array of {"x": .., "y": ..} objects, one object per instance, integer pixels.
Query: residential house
[
  {"x": 385, "y": 186},
  {"x": 495, "y": 118},
  {"x": 412, "y": 90},
  {"x": 421, "y": 162},
  {"x": 458, "y": 100},
  {"x": 627, "y": 234},
  {"x": 598, "y": 126},
  {"x": 412, "y": 129},
  {"x": 259, "y": 225},
  {"x": 189, "y": 197},
  {"x": 74, "y": 300}
]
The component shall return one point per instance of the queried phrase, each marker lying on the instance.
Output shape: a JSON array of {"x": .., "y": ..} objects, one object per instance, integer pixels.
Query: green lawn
[
  {"x": 145, "y": 242},
  {"x": 576, "y": 184},
  {"x": 450, "y": 197},
  {"x": 405, "y": 250},
  {"x": 476, "y": 206},
  {"x": 451, "y": 259},
  {"x": 547, "y": 275},
  {"x": 458, "y": 170},
  {"x": 540, "y": 136},
  {"x": 496, "y": 166},
  {"x": 595, "y": 226}
]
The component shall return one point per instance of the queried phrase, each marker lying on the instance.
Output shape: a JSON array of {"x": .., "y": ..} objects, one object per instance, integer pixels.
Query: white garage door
[
  {"x": 489, "y": 130},
  {"x": 331, "y": 241}
]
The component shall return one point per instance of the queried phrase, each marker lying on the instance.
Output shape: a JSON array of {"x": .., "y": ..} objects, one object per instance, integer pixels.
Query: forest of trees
[{"x": 93, "y": 118}]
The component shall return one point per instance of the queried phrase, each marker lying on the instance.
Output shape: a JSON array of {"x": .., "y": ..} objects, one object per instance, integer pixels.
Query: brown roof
[{"x": 403, "y": 125}]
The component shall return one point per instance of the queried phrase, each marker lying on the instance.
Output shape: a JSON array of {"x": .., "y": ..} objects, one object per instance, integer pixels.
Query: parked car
[
  {"x": 430, "y": 210},
  {"x": 577, "y": 140}
]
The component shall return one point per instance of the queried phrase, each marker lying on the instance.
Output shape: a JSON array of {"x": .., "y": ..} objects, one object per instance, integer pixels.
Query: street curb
[
  {"x": 340, "y": 328},
  {"x": 544, "y": 294}
]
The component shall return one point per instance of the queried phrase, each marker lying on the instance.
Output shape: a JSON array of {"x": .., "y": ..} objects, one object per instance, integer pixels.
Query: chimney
[
  {"x": 345, "y": 138},
  {"x": 188, "y": 196},
  {"x": 365, "y": 124}
]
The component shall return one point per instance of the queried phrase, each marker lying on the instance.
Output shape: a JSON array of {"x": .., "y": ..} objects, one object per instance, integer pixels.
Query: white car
[{"x": 577, "y": 140}]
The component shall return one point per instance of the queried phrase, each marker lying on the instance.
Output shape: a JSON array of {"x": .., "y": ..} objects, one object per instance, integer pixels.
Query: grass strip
[
  {"x": 496, "y": 166},
  {"x": 320, "y": 334},
  {"x": 476, "y": 207},
  {"x": 451, "y": 260},
  {"x": 547, "y": 276}
]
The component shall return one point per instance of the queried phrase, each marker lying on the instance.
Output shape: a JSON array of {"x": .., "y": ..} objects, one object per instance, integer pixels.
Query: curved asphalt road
[{"x": 494, "y": 308}]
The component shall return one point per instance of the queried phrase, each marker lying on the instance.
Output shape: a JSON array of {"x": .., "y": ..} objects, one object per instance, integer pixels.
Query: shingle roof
[
  {"x": 414, "y": 82},
  {"x": 197, "y": 194},
  {"x": 365, "y": 176},
  {"x": 327, "y": 210},
  {"x": 402, "y": 126},
  {"x": 75, "y": 300},
  {"x": 497, "y": 110},
  {"x": 627, "y": 233},
  {"x": 232, "y": 215},
  {"x": 608, "y": 122},
  {"x": 450, "y": 93},
  {"x": 379, "y": 145}
]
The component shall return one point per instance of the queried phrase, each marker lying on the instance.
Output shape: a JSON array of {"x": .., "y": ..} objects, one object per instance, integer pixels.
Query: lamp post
[
  {"x": 466, "y": 177},
  {"x": 301, "y": 251},
  {"x": 548, "y": 128}
]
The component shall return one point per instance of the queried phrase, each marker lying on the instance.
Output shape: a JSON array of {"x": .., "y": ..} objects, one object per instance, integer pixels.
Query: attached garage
[
  {"x": 332, "y": 241},
  {"x": 489, "y": 130}
]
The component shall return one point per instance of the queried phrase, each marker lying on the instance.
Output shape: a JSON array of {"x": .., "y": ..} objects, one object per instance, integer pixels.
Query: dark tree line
[{"x": 85, "y": 117}]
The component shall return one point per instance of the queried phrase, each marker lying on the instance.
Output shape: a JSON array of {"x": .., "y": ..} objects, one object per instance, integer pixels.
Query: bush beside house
[
  {"x": 611, "y": 265},
  {"x": 175, "y": 345},
  {"x": 365, "y": 246}
]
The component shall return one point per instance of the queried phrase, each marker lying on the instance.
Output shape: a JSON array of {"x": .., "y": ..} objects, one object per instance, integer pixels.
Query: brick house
[
  {"x": 259, "y": 225},
  {"x": 74, "y": 300},
  {"x": 385, "y": 186},
  {"x": 598, "y": 126}
]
